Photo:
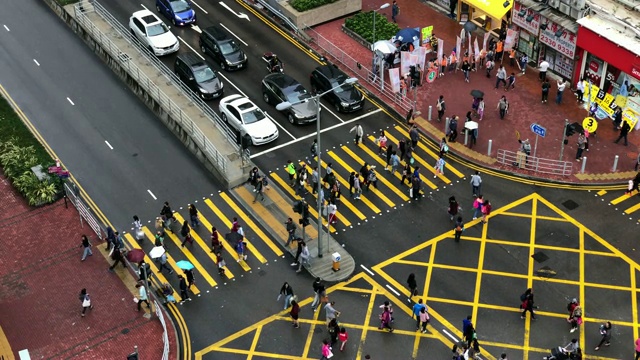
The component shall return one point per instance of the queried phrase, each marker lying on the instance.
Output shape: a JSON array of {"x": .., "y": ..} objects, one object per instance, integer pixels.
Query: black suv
[
  {"x": 197, "y": 75},
  {"x": 345, "y": 98},
  {"x": 222, "y": 49}
]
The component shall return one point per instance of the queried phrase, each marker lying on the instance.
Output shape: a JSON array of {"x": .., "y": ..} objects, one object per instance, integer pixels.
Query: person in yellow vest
[
  {"x": 499, "y": 50},
  {"x": 512, "y": 57},
  {"x": 291, "y": 170},
  {"x": 434, "y": 43}
]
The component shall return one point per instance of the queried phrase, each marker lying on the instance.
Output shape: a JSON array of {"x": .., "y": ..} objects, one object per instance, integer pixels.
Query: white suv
[{"x": 152, "y": 32}]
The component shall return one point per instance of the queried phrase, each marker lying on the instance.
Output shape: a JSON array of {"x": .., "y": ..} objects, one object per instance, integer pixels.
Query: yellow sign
[
  {"x": 493, "y": 8},
  {"x": 604, "y": 100},
  {"x": 590, "y": 124},
  {"x": 426, "y": 34}
]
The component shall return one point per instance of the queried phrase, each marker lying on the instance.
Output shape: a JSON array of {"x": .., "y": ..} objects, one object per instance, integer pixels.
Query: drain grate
[
  {"x": 540, "y": 257},
  {"x": 570, "y": 204}
]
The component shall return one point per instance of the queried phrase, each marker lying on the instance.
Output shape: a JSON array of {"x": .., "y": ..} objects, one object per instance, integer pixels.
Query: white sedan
[{"x": 246, "y": 118}]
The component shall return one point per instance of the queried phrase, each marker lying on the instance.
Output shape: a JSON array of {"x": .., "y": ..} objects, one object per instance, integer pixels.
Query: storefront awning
[{"x": 493, "y": 8}]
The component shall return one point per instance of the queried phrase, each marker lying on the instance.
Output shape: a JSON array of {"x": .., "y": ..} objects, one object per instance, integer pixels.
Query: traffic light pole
[{"x": 564, "y": 137}]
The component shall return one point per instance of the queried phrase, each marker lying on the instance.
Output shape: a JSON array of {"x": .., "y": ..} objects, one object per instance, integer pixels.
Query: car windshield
[
  {"x": 179, "y": 6},
  {"x": 204, "y": 75},
  {"x": 296, "y": 94},
  {"x": 252, "y": 116},
  {"x": 340, "y": 81},
  {"x": 229, "y": 47},
  {"x": 157, "y": 29}
]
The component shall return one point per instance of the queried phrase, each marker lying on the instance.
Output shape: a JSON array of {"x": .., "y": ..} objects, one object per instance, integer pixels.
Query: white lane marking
[
  {"x": 392, "y": 290},
  {"x": 232, "y": 84},
  {"x": 451, "y": 336},
  {"x": 199, "y": 7},
  {"x": 239, "y": 14},
  {"x": 192, "y": 49},
  {"x": 367, "y": 270},
  {"x": 231, "y": 32},
  {"x": 109, "y": 145},
  {"x": 70, "y": 101},
  {"x": 153, "y": 196},
  {"x": 315, "y": 133},
  {"x": 281, "y": 127},
  {"x": 331, "y": 112},
  {"x": 36, "y": 61},
  {"x": 196, "y": 28},
  {"x": 5, "y": 26},
  {"x": 144, "y": 6}
]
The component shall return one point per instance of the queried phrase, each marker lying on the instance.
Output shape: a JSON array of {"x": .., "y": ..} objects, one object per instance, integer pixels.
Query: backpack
[
  {"x": 439, "y": 105},
  {"x": 523, "y": 297},
  {"x": 445, "y": 148}
]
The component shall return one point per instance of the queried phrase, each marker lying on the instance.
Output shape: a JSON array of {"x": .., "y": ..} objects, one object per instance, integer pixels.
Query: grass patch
[
  {"x": 362, "y": 24},
  {"x": 13, "y": 129},
  {"x": 304, "y": 5}
]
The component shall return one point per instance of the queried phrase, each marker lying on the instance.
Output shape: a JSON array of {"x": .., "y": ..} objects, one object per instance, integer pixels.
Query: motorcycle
[{"x": 274, "y": 65}]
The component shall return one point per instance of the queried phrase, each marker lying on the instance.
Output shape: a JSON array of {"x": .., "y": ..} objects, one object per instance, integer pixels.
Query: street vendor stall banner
[
  {"x": 484, "y": 41},
  {"x": 421, "y": 56},
  {"x": 394, "y": 79},
  {"x": 405, "y": 62},
  {"x": 440, "y": 48},
  {"x": 426, "y": 34},
  {"x": 607, "y": 104},
  {"x": 510, "y": 41},
  {"x": 458, "y": 44},
  {"x": 469, "y": 48},
  {"x": 564, "y": 44},
  {"x": 531, "y": 26},
  {"x": 476, "y": 49}
]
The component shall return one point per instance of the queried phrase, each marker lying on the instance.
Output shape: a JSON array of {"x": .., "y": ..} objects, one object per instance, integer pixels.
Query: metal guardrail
[
  {"x": 535, "y": 164},
  {"x": 165, "y": 101},
  {"x": 72, "y": 193},
  {"x": 361, "y": 71},
  {"x": 165, "y": 335},
  {"x": 279, "y": 14}
]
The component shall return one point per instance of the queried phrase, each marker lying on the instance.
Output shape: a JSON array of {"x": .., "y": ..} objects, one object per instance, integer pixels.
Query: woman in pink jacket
[{"x": 326, "y": 350}]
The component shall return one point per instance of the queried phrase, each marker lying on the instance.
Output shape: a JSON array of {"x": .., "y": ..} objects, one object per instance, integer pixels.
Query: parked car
[
  {"x": 344, "y": 97},
  {"x": 280, "y": 87},
  {"x": 197, "y": 75},
  {"x": 179, "y": 12},
  {"x": 223, "y": 49},
  {"x": 153, "y": 33},
  {"x": 246, "y": 118}
]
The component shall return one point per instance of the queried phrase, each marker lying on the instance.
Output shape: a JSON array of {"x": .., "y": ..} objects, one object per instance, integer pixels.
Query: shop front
[
  {"x": 611, "y": 63},
  {"x": 527, "y": 19},
  {"x": 487, "y": 14},
  {"x": 558, "y": 41}
]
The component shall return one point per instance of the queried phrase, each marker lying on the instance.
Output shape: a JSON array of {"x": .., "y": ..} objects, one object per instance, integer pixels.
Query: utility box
[{"x": 336, "y": 261}]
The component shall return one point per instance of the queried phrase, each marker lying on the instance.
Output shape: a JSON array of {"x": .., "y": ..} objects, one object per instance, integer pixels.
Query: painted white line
[
  {"x": 367, "y": 270},
  {"x": 315, "y": 133},
  {"x": 392, "y": 290},
  {"x": 238, "y": 14},
  {"x": 5, "y": 26},
  {"x": 331, "y": 112},
  {"x": 451, "y": 336},
  {"x": 232, "y": 84},
  {"x": 70, "y": 101},
  {"x": 189, "y": 46},
  {"x": 36, "y": 61},
  {"x": 196, "y": 28},
  {"x": 199, "y": 7},
  {"x": 109, "y": 145},
  {"x": 144, "y": 6},
  {"x": 153, "y": 196},
  {"x": 236, "y": 36},
  {"x": 281, "y": 127}
]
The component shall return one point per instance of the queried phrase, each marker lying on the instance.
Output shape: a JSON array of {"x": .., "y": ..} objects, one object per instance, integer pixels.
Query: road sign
[
  {"x": 538, "y": 130},
  {"x": 590, "y": 124}
]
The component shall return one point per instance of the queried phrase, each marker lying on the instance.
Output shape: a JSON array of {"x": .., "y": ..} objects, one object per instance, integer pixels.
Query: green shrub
[
  {"x": 67, "y": 2},
  {"x": 362, "y": 24},
  {"x": 16, "y": 160},
  {"x": 37, "y": 192},
  {"x": 304, "y": 5}
]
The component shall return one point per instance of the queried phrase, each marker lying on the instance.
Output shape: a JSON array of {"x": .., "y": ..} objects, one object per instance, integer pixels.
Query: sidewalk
[
  {"x": 42, "y": 276},
  {"x": 524, "y": 101}
]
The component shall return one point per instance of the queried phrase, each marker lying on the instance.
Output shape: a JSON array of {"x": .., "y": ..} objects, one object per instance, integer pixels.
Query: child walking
[
  {"x": 439, "y": 167},
  {"x": 343, "y": 337}
]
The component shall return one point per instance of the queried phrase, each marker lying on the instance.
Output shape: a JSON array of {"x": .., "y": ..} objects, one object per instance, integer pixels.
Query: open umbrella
[
  {"x": 471, "y": 125},
  {"x": 406, "y": 35},
  {"x": 469, "y": 27},
  {"x": 135, "y": 255},
  {"x": 184, "y": 265},
  {"x": 477, "y": 93},
  {"x": 384, "y": 46},
  {"x": 233, "y": 237},
  {"x": 156, "y": 252}
]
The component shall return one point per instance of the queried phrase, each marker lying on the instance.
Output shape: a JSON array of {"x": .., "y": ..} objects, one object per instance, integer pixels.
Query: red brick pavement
[
  {"x": 525, "y": 104},
  {"x": 41, "y": 277}
]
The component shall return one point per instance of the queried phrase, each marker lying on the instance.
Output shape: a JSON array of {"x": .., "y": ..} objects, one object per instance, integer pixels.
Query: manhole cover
[
  {"x": 570, "y": 204},
  {"x": 540, "y": 257},
  {"x": 546, "y": 272}
]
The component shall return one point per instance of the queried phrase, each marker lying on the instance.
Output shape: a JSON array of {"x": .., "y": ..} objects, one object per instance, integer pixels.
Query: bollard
[
  {"x": 446, "y": 126},
  {"x": 466, "y": 137},
  {"x": 584, "y": 164},
  {"x": 429, "y": 115},
  {"x": 489, "y": 148},
  {"x": 615, "y": 164}
]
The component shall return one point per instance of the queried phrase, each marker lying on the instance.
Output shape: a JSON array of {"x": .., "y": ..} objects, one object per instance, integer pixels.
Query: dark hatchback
[
  {"x": 344, "y": 98},
  {"x": 223, "y": 49}
]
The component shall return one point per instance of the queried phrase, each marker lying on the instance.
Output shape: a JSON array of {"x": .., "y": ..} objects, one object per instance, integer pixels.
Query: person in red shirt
[
  {"x": 295, "y": 310},
  {"x": 343, "y": 337}
]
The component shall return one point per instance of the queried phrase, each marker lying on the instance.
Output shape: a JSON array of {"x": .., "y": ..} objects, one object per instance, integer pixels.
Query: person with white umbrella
[{"x": 472, "y": 129}]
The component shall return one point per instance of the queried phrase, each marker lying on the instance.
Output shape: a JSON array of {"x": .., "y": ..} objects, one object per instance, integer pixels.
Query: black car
[
  {"x": 197, "y": 75},
  {"x": 223, "y": 49},
  {"x": 278, "y": 88},
  {"x": 345, "y": 98}
]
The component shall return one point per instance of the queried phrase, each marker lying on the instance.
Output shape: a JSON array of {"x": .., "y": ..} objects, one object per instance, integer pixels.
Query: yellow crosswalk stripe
[
  {"x": 622, "y": 198},
  {"x": 224, "y": 243},
  {"x": 284, "y": 185},
  {"x": 601, "y": 192},
  {"x": 363, "y": 198},
  {"x": 632, "y": 209},
  {"x": 247, "y": 220},
  {"x": 380, "y": 178},
  {"x": 431, "y": 153},
  {"x": 397, "y": 174},
  {"x": 343, "y": 199},
  {"x": 170, "y": 260},
  {"x": 190, "y": 257},
  {"x": 425, "y": 163},
  {"x": 152, "y": 265}
]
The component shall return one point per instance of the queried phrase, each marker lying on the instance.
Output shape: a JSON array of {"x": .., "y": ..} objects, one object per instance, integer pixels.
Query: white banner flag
[
  {"x": 510, "y": 41},
  {"x": 469, "y": 45},
  {"x": 476, "y": 49},
  {"x": 421, "y": 52},
  {"x": 484, "y": 42},
  {"x": 394, "y": 79},
  {"x": 440, "y": 49},
  {"x": 405, "y": 62},
  {"x": 458, "y": 44}
]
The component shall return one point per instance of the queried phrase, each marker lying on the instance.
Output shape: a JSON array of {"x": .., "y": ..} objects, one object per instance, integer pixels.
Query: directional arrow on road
[
  {"x": 240, "y": 15},
  {"x": 196, "y": 28}
]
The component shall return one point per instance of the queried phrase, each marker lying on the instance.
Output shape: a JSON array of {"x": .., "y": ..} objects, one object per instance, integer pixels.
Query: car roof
[
  {"x": 216, "y": 33},
  {"x": 192, "y": 59},
  {"x": 331, "y": 71},
  {"x": 146, "y": 17},
  {"x": 282, "y": 80}
]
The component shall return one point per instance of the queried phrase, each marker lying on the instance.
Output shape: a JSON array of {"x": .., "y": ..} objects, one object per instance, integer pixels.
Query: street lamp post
[
  {"x": 383, "y": 6},
  {"x": 316, "y": 98}
]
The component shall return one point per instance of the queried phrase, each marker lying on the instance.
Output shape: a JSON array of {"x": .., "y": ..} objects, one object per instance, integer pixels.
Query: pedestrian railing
[
  {"x": 361, "y": 71},
  {"x": 538, "y": 165},
  {"x": 278, "y": 13},
  {"x": 73, "y": 194},
  {"x": 165, "y": 335}
]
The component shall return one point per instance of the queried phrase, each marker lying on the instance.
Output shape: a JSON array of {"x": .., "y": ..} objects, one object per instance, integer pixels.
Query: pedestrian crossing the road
[
  {"x": 390, "y": 192},
  {"x": 626, "y": 203}
]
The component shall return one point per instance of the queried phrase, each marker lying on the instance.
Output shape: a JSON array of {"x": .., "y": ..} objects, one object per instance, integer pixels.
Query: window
[
  {"x": 204, "y": 75},
  {"x": 252, "y": 116}
]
